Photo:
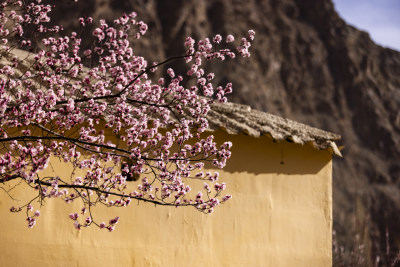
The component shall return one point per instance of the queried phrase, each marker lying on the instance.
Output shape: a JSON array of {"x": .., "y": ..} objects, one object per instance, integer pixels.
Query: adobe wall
[{"x": 280, "y": 215}]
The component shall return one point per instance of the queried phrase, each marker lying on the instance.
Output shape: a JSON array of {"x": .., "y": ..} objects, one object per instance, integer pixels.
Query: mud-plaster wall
[{"x": 280, "y": 215}]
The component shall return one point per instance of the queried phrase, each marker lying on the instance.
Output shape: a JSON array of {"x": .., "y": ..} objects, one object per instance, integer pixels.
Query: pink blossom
[
  {"x": 227, "y": 197},
  {"x": 217, "y": 38},
  {"x": 31, "y": 222},
  {"x": 251, "y": 35},
  {"x": 87, "y": 52},
  {"x": 210, "y": 76},
  {"x": 73, "y": 216},
  {"x": 158, "y": 125},
  {"x": 171, "y": 72},
  {"x": 88, "y": 220},
  {"x": 77, "y": 225},
  {"x": 230, "y": 38}
]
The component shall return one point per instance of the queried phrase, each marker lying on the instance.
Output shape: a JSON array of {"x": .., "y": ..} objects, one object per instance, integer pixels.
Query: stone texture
[{"x": 236, "y": 118}]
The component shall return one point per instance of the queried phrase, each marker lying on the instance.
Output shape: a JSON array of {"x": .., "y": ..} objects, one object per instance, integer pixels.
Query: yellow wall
[{"x": 280, "y": 215}]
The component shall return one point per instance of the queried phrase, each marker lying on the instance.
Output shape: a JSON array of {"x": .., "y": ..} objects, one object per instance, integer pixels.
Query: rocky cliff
[{"x": 307, "y": 64}]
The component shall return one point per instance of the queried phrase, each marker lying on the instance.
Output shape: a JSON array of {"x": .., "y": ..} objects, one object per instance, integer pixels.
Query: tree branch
[{"x": 98, "y": 190}]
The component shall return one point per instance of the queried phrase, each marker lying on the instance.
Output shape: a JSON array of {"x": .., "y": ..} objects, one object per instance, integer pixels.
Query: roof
[{"x": 236, "y": 118}]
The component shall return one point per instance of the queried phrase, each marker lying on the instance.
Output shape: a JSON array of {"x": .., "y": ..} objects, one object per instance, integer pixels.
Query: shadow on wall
[{"x": 264, "y": 155}]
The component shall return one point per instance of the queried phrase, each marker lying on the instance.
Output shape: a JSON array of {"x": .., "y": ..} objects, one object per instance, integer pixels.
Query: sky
[{"x": 380, "y": 18}]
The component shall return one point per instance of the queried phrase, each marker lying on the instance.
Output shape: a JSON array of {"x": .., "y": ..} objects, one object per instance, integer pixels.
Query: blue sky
[{"x": 380, "y": 18}]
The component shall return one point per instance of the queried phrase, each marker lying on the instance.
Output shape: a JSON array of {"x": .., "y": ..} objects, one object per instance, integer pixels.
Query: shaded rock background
[{"x": 307, "y": 64}]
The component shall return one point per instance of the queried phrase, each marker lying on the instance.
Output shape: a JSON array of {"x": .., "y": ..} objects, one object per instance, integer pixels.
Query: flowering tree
[{"x": 107, "y": 119}]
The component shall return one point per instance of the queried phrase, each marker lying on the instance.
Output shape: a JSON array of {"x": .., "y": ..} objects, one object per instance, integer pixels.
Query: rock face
[{"x": 308, "y": 65}]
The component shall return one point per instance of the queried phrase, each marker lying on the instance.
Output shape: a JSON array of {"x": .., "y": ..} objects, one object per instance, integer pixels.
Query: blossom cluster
[{"x": 111, "y": 121}]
